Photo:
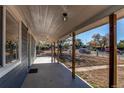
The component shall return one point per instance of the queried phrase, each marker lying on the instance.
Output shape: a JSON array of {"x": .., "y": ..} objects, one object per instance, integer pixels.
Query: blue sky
[{"x": 103, "y": 30}]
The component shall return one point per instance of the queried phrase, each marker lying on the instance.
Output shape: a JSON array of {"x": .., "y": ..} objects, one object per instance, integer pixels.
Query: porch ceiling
[{"x": 47, "y": 21}]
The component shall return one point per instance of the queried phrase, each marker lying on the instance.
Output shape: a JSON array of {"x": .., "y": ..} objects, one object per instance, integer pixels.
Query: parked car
[
  {"x": 84, "y": 51},
  {"x": 118, "y": 51},
  {"x": 121, "y": 52}
]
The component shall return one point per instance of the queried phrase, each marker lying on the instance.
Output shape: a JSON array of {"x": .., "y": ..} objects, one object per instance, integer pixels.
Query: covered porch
[
  {"x": 51, "y": 24},
  {"x": 52, "y": 75}
]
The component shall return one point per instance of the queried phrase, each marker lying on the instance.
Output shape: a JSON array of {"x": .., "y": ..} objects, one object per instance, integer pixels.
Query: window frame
[
  {"x": 5, "y": 68},
  {"x": 14, "y": 19}
]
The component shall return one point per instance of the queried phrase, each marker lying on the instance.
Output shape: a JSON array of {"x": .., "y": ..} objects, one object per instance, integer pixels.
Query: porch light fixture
[{"x": 65, "y": 16}]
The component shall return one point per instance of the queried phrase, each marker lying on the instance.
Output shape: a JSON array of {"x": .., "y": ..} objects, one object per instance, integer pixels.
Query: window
[
  {"x": 12, "y": 39},
  {"x": 10, "y": 35}
]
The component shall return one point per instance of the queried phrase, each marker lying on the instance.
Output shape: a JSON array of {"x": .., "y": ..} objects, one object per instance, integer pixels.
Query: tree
[
  {"x": 78, "y": 43},
  {"x": 92, "y": 44},
  {"x": 101, "y": 41},
  {"x": 96, "y": 38},
  {"x": 105, "y": 41},
  {"x": 120, "y": 45},
  {"x": 66, "y": 43}
]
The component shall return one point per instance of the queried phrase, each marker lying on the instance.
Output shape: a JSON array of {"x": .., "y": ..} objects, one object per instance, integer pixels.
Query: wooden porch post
[
  {"x": 58, "y": 52},
  {"x": 54, "y": 52},
  {"x": 51, "y": 52},
  {"x": 60, "y": 47},
  {"x": 73, "y": 55},
  {"x": 113, "y": 52}
]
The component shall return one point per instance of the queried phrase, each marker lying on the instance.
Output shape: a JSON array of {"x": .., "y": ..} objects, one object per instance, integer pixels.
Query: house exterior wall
[
  {"x": 15, "y": 77},
  {"x": 32, "y": 49},
  {"x": 1, "y": 17}
]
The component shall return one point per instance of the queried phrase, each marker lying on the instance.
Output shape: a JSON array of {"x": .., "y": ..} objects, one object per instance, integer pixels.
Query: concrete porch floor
[{"x": 52, "y": 75}]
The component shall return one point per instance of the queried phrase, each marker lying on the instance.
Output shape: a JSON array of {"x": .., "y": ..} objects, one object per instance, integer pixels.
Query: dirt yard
[
  {"x": 99, "y": 78},
  {"x": 86, "y": 60}
]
